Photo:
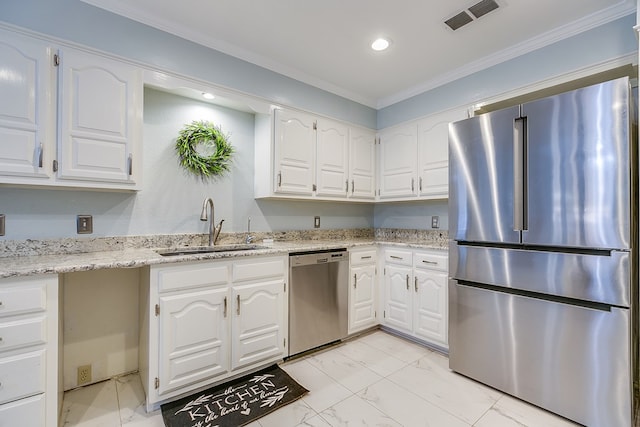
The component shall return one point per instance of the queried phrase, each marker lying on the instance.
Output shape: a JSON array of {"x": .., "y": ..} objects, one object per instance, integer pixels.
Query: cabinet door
[
  {"x": 398, "y": 165},
  {"x": 258, "y": 325},
  {"x": 295, "y": 142},
  {"x": 332, "y": 159},
  {"x": 27, "y": 135},
  {"x": 362, "y": 302},
  {"x": 433, "y": 153},
  {"x": 430, "y": 306},
  {"x": 194, "y": 337},
  {"x": 100, "y": 111},
  {"x": 362, "y": 164},
  {"x": 398, "y": 297}
]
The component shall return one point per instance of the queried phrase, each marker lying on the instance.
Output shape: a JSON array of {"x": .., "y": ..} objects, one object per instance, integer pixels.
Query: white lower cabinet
[
  {"x": 363, "y": 289},
  {"x": 206, "y": 321},
  {"x": 29, "y": 351},
  {"x": 415, "y": 294}
]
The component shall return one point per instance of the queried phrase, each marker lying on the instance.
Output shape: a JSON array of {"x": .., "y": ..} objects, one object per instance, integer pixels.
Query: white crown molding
[
  {"x": 124, "y": 9},
  {"x": 589, "y": 22},
  {"x": 618, "y": 10}
]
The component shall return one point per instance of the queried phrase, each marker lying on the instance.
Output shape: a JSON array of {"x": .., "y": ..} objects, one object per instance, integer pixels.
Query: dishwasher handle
[{"x": 299, "y": 259}]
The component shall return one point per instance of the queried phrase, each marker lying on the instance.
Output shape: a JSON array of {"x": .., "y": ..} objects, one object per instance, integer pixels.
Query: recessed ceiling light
[
  {"x": 380, "y": 44},
  {"x": 207, "y": 95}
]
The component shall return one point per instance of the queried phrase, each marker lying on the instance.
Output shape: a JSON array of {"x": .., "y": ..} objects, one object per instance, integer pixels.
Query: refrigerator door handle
[{"x": 520, "y": 174}]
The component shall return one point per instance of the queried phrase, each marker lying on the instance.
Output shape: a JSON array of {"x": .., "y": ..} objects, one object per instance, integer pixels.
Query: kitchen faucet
[{"x": 214, "y": 232}]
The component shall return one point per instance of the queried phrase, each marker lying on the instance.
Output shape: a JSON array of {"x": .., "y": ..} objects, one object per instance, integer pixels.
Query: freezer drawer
[
  {"x": 600, "y": 277},
  {"x": 571, "y": 360}
]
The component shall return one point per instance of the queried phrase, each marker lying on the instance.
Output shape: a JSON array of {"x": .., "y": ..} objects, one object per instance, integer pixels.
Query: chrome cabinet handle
[
  {"x": 351, "y": 186},
  {"x": 225, "y": 306},
  {"x": 279, "y": 179},
  {"x": 415, "y": 283},
  {"x": 395, "y": 257},
  {"x": 346, "y": 185},
  {"x": 355, "y": 280},
  {"x": 366, "y": 257},
  {"x": 429, "y": 262},
  {"x": 420, "y": 184},
  {"x": 238, "y": 310},
  {"x": 407, "y": 282},
  {"x": 40, "y": 155},
  {"x": 412, "y": 184}
]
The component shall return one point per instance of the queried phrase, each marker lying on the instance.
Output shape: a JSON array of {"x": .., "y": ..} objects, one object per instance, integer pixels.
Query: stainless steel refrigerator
[{"x": 543, "y": 264}]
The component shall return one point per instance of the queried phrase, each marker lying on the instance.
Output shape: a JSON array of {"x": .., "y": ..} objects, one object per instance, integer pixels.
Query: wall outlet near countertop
[
  {"x": 435, "y": 221},
  {"x": 1, "y": 225},
  {"x": 316, "y": 222},
  {"x": 84, "y": 224}
]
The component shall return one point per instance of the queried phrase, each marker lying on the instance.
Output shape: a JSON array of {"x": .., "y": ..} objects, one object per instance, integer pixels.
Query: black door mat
[{"x": 235, "y": 403}]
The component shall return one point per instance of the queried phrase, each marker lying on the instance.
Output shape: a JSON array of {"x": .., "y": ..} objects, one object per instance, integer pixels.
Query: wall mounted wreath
[{"x": 204, "y": 149}]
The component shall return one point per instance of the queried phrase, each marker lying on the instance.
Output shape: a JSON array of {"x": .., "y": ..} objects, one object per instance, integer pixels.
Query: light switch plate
[
  {"x": 316, "y": 222},
  {"x": 84, "y": 224},
  {"x": 435, "y": 221},
  {"x": 1, "y": 225}
]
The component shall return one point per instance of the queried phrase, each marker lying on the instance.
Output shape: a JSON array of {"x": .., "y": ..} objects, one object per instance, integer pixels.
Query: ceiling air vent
[
  {"x": 477, "y": 10},
  {"x": 483, "y": 7},
  {"x": 459, "y": 20}
]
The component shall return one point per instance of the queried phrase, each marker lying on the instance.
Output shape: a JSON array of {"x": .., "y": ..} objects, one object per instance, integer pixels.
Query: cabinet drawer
[
  {"x": 21, "y": 376},
  {"x": 394, "y": 256},
  {"x": 21, "y": 296},
  {"x": 432, "y": 261},
  {"x": 363, "y": 257},
  {"x": 192, "y": 275},
  {"x": 23, "y": 412},
  {"x": 254, "y": 269},
  {"x": 21, "y": 333}
]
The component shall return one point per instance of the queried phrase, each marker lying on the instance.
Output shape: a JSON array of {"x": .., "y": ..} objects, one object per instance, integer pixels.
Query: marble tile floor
[{"x": 374, "y": 380}]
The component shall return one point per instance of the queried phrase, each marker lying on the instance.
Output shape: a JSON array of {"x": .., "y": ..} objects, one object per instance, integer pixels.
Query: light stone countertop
[{"x": 133, "y": 258}]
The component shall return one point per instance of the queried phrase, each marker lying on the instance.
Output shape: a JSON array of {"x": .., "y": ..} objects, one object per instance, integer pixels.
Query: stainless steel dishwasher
[{"x": 319, "y": 285}]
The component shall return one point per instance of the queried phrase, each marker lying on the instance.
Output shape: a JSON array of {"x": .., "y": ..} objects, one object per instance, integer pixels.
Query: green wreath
[{"x": 204, "y": 149}]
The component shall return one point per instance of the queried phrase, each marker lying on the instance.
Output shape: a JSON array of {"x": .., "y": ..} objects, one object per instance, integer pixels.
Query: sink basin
[{"x": 207, "y": 249}]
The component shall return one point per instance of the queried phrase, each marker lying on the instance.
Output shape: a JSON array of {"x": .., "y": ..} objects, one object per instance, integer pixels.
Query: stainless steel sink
[{"x": 194, "y": 250}]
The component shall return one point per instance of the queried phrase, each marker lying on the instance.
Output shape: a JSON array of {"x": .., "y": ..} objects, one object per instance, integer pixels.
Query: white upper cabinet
[
  {"x": 414, "y": 158},
  {"x": 433, "y": 153},
  {"x": 313, "y": 158},
  {"x": 100, "y": 108},
  {"x": 27, "y": 133},
  {"x": 333, "y": 158},
  {"x": 398, "y": 148},
  {"x": 295, "y": 143},
  {"x": 83, "y": 130},
  {"x": 362, "y": 164}
]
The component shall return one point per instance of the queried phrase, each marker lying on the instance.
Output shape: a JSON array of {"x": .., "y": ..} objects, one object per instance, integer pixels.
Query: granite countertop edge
[{"x": 134, "y": 258}]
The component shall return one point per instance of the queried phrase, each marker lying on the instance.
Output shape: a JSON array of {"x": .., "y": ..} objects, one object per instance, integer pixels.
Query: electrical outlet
[
  {"x": 316, "y": 222},
  {"x": 84, "y": 374},
  {"x": 1, "y": 225},
  {"x": 84, "y": 224},
  {"x": 435, "y": 221}
]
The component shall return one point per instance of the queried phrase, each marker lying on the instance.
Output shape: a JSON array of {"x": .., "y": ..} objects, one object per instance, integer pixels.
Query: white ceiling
[{"x": 326, "y": 43}]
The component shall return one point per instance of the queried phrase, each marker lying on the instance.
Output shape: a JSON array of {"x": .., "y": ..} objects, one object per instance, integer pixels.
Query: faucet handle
[{"x": 249, "y": 239}]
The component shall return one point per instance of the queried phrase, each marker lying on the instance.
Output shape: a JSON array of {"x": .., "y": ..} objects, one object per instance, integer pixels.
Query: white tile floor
[{"x": 375, "y": 380}]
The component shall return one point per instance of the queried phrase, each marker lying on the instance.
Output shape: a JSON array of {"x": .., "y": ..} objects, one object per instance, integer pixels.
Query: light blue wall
[
  {"x": 613, "y": 40},
  {"x": 171, "y": 200},
  {"x": 82, "y": 23}
]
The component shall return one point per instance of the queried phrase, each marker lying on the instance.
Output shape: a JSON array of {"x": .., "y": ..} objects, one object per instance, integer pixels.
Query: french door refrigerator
[{"x": 543, "y": 264}]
